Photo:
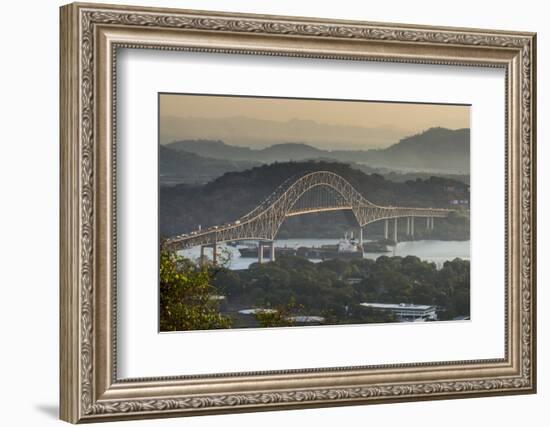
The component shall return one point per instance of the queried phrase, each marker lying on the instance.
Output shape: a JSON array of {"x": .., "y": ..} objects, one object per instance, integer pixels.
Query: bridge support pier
[
  {"x": 214, "y": 247},
  {"x": 408, "y": 226},
  {"x": 412, "y": 226},
  {"x": 260, "y": 252},
  {"x": 386, "y": 231},
  {"x": 272, "y": 251},
  {"x": 430, "y": 223},
  {"x": 360, "y": 236},
  {"x": 261, "y": 245},
  {"x": 395, "y": 230}
]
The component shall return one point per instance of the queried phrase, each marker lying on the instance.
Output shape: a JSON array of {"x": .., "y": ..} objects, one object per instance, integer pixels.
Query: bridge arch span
[{"x": 263, "y": 222}]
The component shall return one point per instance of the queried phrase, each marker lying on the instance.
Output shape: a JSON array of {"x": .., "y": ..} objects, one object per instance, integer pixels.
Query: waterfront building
[{"x": 406, "y": 312}]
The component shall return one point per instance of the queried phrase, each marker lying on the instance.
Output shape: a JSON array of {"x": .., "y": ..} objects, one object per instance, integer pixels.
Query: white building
[
  {"x": 406, "y": 312},
  {"x": 306, "y": 319}
]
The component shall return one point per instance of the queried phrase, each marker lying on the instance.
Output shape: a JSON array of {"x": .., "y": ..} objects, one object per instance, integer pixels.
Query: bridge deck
[{"x": 263, "y": 222}]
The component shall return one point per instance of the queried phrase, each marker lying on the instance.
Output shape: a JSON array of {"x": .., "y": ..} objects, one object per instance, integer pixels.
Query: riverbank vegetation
[
  {"x": 195, "y": 297},
  {"x": 335, "y": 288}
]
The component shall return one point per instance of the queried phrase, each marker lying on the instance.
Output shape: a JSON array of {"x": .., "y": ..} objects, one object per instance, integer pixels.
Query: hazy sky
[{"x": 366, "y": 124}]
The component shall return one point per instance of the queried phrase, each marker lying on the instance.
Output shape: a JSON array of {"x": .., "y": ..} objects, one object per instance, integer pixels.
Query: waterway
[{"x": 437, "y": 251}]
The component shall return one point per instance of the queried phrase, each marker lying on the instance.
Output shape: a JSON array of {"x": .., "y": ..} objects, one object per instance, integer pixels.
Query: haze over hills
[
  {"x": 243, "y": 131},
  {"x": 181, "y": 166},
  {"x": 435, "y": 150}
]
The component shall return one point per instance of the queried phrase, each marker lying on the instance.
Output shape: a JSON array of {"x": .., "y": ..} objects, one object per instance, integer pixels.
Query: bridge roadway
[{"x": 319, "y": 191}]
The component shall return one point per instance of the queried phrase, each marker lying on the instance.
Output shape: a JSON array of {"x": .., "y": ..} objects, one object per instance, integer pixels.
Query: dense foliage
[
  {"x": 335, "y": 288},
  {"x": 187, "y": 298},
  {"x": 293, "y": 286}
]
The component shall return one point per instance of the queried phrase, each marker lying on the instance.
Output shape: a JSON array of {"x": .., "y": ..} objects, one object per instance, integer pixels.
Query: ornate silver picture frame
[{"x": 91, "y": 37}]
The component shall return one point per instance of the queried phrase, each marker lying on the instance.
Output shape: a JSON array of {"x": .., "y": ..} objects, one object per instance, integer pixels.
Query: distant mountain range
[
  {"x": 274, "y": 153},
  {"x": 248, "y": 131},
  {"x": 438, "y": 150}
]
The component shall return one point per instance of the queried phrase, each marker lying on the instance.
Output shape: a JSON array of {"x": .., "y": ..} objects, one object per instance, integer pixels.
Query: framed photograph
[{"x": 265, "y": 212}]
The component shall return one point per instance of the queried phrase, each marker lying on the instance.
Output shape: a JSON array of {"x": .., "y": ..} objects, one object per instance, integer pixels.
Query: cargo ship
[{"x": 347, "y": 248}]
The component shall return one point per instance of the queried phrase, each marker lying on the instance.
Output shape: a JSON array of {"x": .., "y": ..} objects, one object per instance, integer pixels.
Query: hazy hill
[
  {"x": 437, "y": 149},
  {"x": 273, "y": 153},
  {"x": 215, "y": 149},
  {"x": 182, "y": 167}
]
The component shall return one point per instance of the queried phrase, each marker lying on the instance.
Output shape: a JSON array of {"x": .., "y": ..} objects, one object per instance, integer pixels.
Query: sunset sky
[{"x": 258, "y": 122}]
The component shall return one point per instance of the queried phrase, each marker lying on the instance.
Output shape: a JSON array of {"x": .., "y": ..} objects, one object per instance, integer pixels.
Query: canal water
[{"x": 437, "y": 251}]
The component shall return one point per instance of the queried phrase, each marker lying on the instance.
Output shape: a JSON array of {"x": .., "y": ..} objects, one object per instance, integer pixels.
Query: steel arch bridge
[{"x": 319, "y": 191}]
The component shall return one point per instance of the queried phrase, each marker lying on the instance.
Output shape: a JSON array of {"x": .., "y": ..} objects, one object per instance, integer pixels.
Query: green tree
[
  {"x": 188, "y": 301},
  {"x": 279, "y": 316}
]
